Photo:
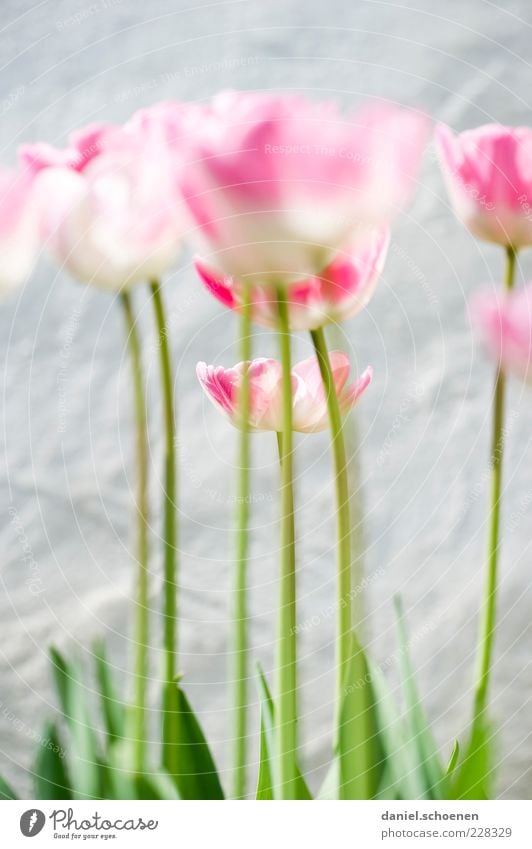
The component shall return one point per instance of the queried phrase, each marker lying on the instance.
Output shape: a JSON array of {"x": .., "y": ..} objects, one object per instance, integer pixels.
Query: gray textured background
[{"x": 424, "y": 426}]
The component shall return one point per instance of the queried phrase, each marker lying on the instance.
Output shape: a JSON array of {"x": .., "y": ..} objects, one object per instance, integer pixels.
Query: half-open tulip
[
  {"x": 488, "y": 172},
  {"x": 19, "y": 229},
  {"x": 309, "y": 403},
  {"x": 338, "y": 293},
  {"x": 505, "y": 325},
  {"x": 277, "y": 185}
]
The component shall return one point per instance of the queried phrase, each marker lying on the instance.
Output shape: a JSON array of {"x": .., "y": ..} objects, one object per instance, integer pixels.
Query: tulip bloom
[
  {"x": 277, "y": 185},
  {"x": 116, "y": 219},
  {"x": 505, "y": 326},
  {"x": 83, "y": 146},
  {"x": 19, "y": 230},
  {"x": 309, "y": 403},
  {"x": 488, "y": 172},
  {"x": 342, "y": 290}
]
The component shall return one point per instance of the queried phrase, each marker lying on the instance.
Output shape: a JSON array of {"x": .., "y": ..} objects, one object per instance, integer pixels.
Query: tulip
[
  {"x": 309, "y": 403},
  {"x": 277, "y": 185},
  {"x": 117, "y": 221},
  {"x": 488, "y": 172},
  {"x": 505, "y": 326},
  {"x": 19, "y": 230},
  {"x": 341, "y": 291},
  {"x": 83, "y": 146},
  {"x": 112, "y": 215}
]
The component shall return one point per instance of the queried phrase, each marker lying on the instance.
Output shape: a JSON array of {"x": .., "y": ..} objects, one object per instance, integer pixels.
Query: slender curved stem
[
  {"x": 286, "y": 706},
  {"x": 142, "y": 616},
  {"x": 488, "y": 621},
  {"x": 170, "y": 501},
  {"x": 343, "y": 522},
  {"x": 240, "y": 615}
]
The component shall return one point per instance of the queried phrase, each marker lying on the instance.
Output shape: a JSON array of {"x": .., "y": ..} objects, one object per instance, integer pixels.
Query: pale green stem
[
  {"x": 170, "y": 497},
  {"x": 141, "y": 617},
  {"x": 343, "y": 522},
  {"x": 240, "y": 615},
  {"x": 488, "y": 620},
  {"x": 286, "y": 705}
]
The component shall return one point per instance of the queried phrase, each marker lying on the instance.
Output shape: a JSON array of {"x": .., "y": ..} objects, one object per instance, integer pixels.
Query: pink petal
[{"x": 216, "y": 284}]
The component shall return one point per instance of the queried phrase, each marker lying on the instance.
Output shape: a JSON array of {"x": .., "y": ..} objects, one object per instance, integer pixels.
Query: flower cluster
[
  {"x": 274, "y": 189},
  {"x": 289, "y": 204}
]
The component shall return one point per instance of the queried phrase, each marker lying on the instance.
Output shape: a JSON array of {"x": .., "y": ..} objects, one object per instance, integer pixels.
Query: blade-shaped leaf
[
  {"x": 474, "y": 775},
  {"x": 404, "y": 772},
  {"x": 50, "y": 778},
  {"x": 185, "y": 749},
  {"x": 417, "y": 723},
  {"x": 453, "y": 760},
  {"x": 112, "y": 707},
  {"x": 360, "y": 755},
  {"x": 6, "y": 791},
  {"x": 266, "y": 767},
  {"x": 83, "y": 760},
  {"x": 265, "y": 777},
  {"x": 264, "y": 780},
  {"x": 158, "y": 785},
  {"x": 330, "y": 788}
]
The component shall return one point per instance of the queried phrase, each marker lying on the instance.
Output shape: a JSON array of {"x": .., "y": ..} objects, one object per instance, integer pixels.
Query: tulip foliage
[{"x": 289, "y": 204}]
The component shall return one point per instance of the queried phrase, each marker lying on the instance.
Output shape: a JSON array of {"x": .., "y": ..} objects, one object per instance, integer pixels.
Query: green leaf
[
  {"x": 120, "y": 780},
  {"x": 185, "y": 749},
  {"x": 360, "y": 755},
  {"x": 123, "y": 783},
  {"x": 267, "y": 748},
  {"x": 112, "y": 707},
  {"x": 404, "y": 776},
  {"x": 83, "y": 761},
  {"x": 50, "y": 778},
  {"x": 473, "y": 778},
  {"x": 265, "y": 777},
  {"x": 6, "y": 791},
  {"x": 157, "y": 785},
  {"x": 453, "y": 760},
  {"x": 329, "y": 789},
  {"x": 417, "y": 724},
  {"x": 264, "y": 780}
]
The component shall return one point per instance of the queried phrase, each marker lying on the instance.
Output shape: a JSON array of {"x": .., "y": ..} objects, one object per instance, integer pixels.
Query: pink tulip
[
  {"x": 505, "y": 326},
  {"x": 84, "y": 145},
  {"x": 113, "y": 217},
  {"x": 19, "y": 229},
  {"x": 342, "y": 290},
  {"x": 277, "y": 185},
  {"x": 488, "y": 172},
  {"x": 265, "y": 378}
]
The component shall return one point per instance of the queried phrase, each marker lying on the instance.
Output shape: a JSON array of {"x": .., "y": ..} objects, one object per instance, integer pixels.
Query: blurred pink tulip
[
  {"x": 342, "y": 290},
  {"x": 19, "y": 229},
  {"x": 488, "y": 172},
  {"x": 504, "y": 323},
  {"x": 277, "y": 185},
  {"x": 265, "y": 378},
  {"x": 113, "y": 216},
  {"x": 83, "y": 146}
]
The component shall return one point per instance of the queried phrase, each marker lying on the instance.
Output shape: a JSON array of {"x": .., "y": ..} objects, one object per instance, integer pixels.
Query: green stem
[
  {"x": 141, "y": 623},
  {"x": 487, "y": 628},
  {"x": 343, "y": 522},
  {"x": 170, "y": 502},
  {"x": 240, "y": 615},
  {"x": 286, "y": 707}
]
